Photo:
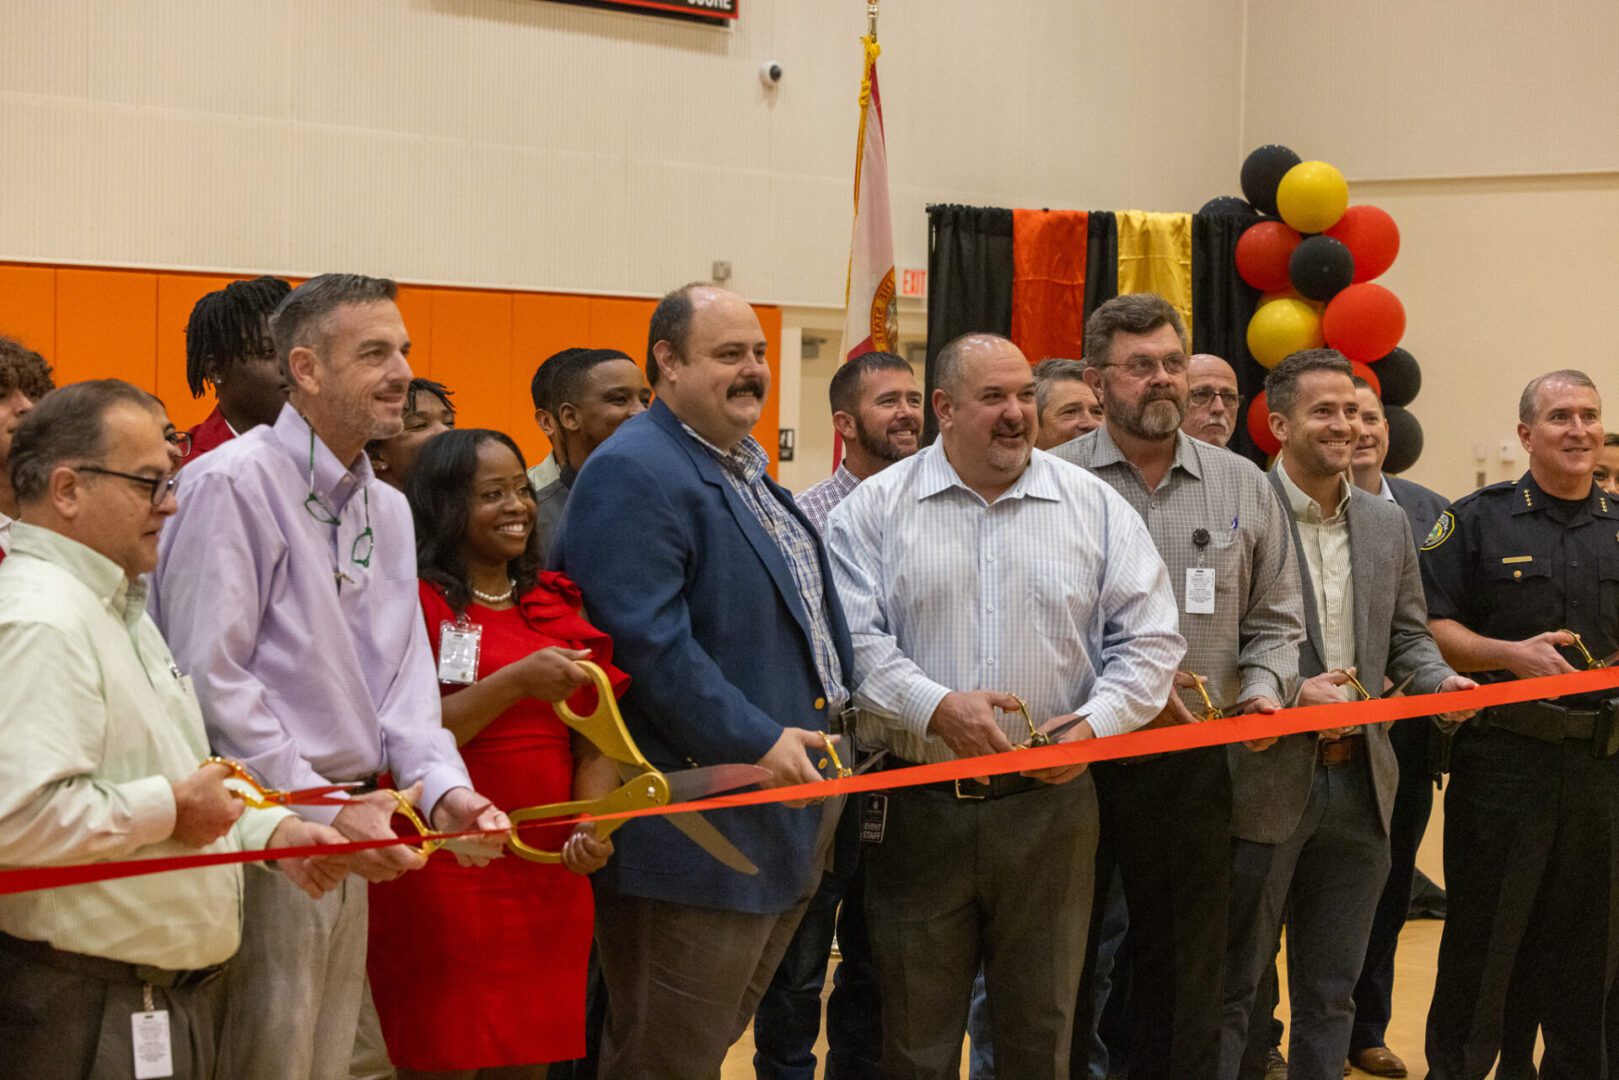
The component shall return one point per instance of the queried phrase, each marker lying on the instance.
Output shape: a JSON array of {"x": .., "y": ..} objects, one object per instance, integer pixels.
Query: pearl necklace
[{"x": 496, "y": 598}]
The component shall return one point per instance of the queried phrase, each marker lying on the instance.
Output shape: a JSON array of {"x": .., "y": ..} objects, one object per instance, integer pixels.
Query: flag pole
[{"x": 871, "y": 19}]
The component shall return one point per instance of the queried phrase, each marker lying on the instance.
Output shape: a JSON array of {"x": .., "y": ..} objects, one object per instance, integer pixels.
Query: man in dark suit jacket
[
  {"x": 1414, "y": 744},
  {"x": 1310, "y": 816},
  {"x": 717, "y": 595}
]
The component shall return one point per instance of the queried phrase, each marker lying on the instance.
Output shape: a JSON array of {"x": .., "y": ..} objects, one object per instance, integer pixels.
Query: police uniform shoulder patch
[{"x": 1440, "y": 532}]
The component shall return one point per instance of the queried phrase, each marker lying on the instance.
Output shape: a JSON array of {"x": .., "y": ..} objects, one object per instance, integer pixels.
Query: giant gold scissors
[
  {"x": 644, "y": 784},
  {"x": 245, "y": 786}
]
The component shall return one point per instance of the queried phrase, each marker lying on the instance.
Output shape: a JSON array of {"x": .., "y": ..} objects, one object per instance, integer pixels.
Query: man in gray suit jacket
[{"x": 1311, "y": 815}]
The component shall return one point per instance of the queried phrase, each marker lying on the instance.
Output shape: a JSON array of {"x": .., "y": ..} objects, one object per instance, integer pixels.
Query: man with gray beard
[{"x": 1166, "y": 820}]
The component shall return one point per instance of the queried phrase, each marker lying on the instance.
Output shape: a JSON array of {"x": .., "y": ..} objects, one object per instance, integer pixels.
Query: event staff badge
[{"x": 458, "y": 645}]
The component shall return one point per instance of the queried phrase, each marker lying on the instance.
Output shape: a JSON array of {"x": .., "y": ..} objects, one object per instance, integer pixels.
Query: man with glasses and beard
[
  {"x": 1166, "y": 821},
  {"x": 877, "y": 411}
]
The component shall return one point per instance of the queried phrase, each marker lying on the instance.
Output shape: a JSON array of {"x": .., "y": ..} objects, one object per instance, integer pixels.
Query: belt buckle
[{"x": 966, "y": 796}]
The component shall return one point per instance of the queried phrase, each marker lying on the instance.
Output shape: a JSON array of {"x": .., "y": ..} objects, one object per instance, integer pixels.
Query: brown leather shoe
[{"x": 1379, "y": 1061}]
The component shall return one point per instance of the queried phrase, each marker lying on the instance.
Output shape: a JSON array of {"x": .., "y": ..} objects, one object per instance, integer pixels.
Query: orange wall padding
[{"x": 484, "y": 344}]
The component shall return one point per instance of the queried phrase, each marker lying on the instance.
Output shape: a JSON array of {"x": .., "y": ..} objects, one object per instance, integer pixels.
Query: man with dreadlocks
[
  {"x": 228, "y": 346},
  {"x": 25, "y": 377}
]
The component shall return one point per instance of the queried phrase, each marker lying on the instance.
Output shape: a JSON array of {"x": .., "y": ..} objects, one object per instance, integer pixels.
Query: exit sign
[{"x": 913, "y": 283}]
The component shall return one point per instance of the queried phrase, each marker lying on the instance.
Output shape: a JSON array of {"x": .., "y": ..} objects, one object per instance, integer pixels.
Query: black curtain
[
  {"x": 969, "y": 281},
  {"x": 1101, "y": 259},
  {"x": 1222, "y": 304}
]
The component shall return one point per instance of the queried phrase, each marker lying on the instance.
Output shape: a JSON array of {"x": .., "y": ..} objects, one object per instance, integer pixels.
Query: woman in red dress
[{"x": 480, "y": 972}]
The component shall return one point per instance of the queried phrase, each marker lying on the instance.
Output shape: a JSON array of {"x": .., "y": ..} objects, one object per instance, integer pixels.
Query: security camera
[{"x": 770, "y": 73}]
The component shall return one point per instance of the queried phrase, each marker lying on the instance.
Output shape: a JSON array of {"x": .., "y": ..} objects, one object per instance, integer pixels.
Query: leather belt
[
  {"x": 99, "y": 967},
  {"x": 1553, "y": 723},
  {"x": 969, "y": 790},
  {"x": 1342, "y": 751}
]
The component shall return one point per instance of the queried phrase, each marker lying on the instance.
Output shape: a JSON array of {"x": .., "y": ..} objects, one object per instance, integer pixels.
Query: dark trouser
[
  {"x": 1264, "y": 1029},
  {"x": 682, "y": 982},
  {"x": 1166, "y": 825},
  {"x": 67, "y": 1017},
  {"x": 789, "y": 1015},
  {"x": 1326, "y": 877},
  {"x": 1413, "y": 803},
  {"x": 1531, "y": 856},
  {"x": 1003, "y": 883}
]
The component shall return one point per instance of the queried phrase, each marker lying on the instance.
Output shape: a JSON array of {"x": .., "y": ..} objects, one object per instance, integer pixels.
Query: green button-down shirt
[{"x": 97, "y": 721}]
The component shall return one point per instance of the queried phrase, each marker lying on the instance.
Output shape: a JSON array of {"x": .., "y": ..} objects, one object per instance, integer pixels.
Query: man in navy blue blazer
[{"x": 717, "y": 594}]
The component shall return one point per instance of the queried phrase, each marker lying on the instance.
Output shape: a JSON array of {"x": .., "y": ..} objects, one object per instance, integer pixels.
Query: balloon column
[{"x": 1314, "y": 257}]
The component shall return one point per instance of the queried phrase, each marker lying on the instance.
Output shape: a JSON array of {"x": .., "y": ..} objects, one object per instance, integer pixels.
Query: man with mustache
[
  {"x": 1414, "y": 745},
  {"x": 1310, "y": 823},
  {"x": 1166, "y": 821},
  {"x": 877, "y": 411},
  {"x": 719, "y": 600},
  {"x": 1068, "y": 406},
  {"x": 1213, "y": 401},
  {"x": 991, "y": 587},
  {"x": 1514, "y": 573},
  {"x": 285, "y": 587}
]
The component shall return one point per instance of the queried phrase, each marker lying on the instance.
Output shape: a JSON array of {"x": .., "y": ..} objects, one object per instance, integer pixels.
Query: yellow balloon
[
  {"x": 1312, "y": 196},
  {"x": 1281, "y": 328}
]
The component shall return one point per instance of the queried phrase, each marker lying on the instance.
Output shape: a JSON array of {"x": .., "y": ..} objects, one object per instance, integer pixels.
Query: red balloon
[
  {"x": 1365, "y": 371},
  {"x": 1262, "y": 253},
  {"x": 1371, "y": 237},
  {"x": 1259, "y": 425},
  {"x": 1364, "y": 322}
]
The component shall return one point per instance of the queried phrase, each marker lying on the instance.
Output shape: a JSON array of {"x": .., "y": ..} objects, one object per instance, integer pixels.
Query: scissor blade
[
  {"x": 871, "y": 762},
  {"x": 688, "y": 784},
  {"x": 1609, "y": 660},
  {"x": 711, "y": 840},
  {"x": 1057, "y": 731},
  {"x": 1398, "y": 690}
]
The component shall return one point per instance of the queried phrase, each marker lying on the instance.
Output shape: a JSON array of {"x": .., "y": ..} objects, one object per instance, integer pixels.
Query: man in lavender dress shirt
[{"x": 287, "y": 586}]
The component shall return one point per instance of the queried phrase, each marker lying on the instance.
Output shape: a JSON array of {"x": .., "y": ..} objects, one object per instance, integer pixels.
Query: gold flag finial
[{"x": 871, "y": 19}]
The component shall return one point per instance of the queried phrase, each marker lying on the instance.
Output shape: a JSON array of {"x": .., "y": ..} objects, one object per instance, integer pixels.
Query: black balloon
[
  {"x": 1321, "y": 267},
  {"x": 1400, "y": 376},
  {"x": 1405, "y": 439},
  {"x": 1263, "y": 172},
  {"x": 1229, "y": 206}
]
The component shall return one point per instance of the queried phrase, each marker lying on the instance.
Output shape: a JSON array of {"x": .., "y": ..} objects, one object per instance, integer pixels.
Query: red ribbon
[{"x": 1150, "y": 741}]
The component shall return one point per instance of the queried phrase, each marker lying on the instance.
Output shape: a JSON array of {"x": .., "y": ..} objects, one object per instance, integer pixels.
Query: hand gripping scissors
[{"x": 644, "y": 784}]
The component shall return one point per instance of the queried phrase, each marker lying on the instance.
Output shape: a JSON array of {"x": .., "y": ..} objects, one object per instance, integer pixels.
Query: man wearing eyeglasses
[
  {"x": 1213, "y": 401},
  {"x": 287, "y": 585},
  {"x": 103, "y": 761},
  {"x": 1166, "y": 820}
]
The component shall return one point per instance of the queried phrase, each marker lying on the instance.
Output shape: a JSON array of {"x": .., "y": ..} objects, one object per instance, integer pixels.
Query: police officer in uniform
[{"x": 1512, "y": 573}]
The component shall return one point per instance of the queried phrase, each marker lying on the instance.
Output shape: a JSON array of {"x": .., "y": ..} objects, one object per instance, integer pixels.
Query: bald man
[{"x": 1211, "y": 414}]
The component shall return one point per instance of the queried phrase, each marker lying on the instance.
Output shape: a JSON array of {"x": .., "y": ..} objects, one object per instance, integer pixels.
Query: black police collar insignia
[{"x": 1440, "y": 532}]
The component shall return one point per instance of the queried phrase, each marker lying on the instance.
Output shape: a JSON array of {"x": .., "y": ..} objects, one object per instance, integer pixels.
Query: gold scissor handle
[
  {"x": 1365, "y": 695},
  {"x": 406, "y": 810},
  {"x": 604, "y": 727},
  {"x": 1036, "y": 736},
  {"x": 257, "y": 795},
  {"x": 1591, "y": 662},
  {"x": 649, "y": 789},
  {"x": 831, "y": 748},
  {"x": 1211, "y": 711}
]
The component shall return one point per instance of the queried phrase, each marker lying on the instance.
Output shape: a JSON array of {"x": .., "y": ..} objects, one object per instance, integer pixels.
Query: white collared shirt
[
  {"x": 1325, "y": 539},
  {"x": 1053, "y": 592}
]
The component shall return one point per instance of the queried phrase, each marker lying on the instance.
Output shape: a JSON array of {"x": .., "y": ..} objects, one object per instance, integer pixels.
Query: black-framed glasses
[
  {"x": 1143, "y": 367},
  {"x": 364, "y": 544},
  {"x": 179, "y": 442},
  {"x": 158, "y": 487},
  {"x": 1204, "y": 396}
]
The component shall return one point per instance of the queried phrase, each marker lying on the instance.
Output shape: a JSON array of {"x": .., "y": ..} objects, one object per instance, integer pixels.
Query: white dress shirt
[
  {"x": 1325, "y": 539},
  {"x": 1053, "y": 592}
]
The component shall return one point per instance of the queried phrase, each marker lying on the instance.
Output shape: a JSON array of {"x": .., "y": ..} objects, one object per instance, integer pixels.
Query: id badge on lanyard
[{"x": 458, "y": 644}]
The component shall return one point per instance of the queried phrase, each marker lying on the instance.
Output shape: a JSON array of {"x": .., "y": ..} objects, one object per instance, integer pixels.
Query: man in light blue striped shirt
[{"x": 980, "y": 576}]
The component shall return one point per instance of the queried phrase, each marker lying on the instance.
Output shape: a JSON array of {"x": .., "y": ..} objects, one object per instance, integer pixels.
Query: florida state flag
[{"x": 869, "y": 323}]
